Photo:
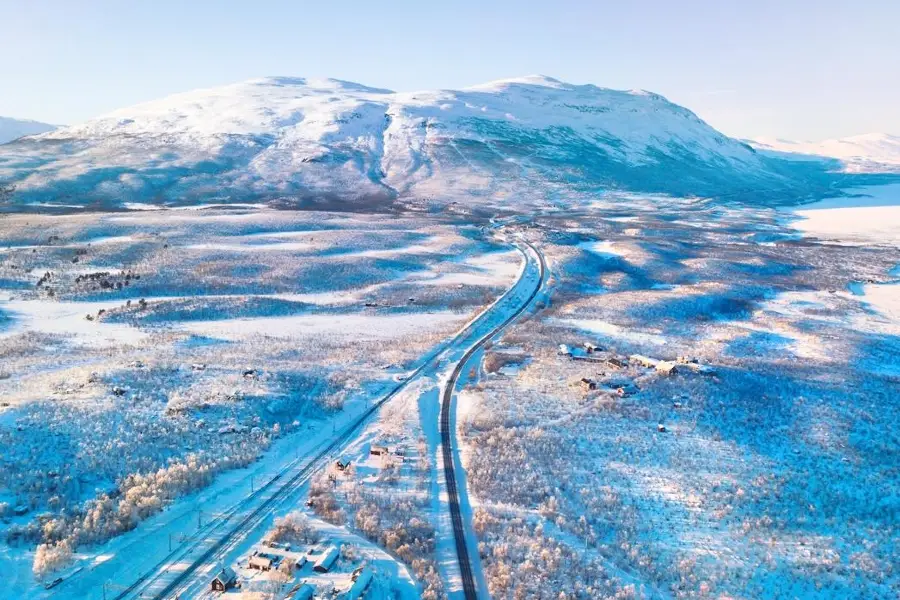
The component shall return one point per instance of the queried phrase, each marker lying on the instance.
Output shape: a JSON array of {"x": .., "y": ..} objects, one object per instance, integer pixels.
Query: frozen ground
[
  {"x": 146, "y": 356},
  {"x": 870, "y": 217},
  {"x": 768, "y": 469},
  {"x": 157, "y": 361}
]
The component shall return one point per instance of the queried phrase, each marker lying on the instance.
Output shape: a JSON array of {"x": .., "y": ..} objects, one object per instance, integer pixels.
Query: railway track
[
  {"x": 219, "y": 538},
  {"x": 470, "y": 587}
]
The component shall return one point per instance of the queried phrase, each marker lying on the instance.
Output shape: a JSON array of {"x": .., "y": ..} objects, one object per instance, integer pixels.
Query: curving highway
[{"x": 515, "y": 305}]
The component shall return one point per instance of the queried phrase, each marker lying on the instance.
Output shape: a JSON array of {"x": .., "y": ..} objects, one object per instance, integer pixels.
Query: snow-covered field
[
  {"x": 767, "y": 469},
  {"x": 871, "y": 216},
  {"x": 143, "y": 357},
  {"x": 728, "y": 432}
]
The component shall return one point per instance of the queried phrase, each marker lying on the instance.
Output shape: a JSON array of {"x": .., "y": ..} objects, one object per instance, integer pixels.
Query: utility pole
[{"x": 175, "y": 537}]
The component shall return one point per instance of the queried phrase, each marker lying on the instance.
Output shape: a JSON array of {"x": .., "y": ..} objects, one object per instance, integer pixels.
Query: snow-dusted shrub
[
  {"x": 51, "y": 557},
  {"x": 293, "y": 528}
]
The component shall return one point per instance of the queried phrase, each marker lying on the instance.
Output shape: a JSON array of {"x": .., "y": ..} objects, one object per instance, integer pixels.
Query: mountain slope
[
  {"x": 295, "y": 140},
  {"x": 11, "y": 129},
  {"x": 867, "y": 153}
]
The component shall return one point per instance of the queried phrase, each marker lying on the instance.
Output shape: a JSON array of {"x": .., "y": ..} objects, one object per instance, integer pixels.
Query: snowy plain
[{"x": 140, "y": 332}]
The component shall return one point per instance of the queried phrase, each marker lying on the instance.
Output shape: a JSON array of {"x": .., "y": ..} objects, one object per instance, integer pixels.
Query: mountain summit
[{"x": 533, "y": 139}]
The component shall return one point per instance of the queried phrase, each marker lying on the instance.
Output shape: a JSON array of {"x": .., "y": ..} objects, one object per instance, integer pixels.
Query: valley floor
[
  {"x": 730, "y": 429},
  {"x": 703, "y": 402}
]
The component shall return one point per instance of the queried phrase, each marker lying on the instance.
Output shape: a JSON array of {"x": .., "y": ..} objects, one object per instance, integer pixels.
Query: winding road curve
[
  {"x": 470, "y": 586},
  {"x": 186, "y": 571}
]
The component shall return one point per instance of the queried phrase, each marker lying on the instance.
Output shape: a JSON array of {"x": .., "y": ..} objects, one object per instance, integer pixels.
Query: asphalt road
[{"x": 470, "y": 586}]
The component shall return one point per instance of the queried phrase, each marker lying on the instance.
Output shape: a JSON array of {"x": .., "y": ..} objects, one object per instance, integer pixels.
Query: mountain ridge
[
  {"x": 12, "y": 129},
  {"x": 863, "y": 153},
  {"x": 295, "y": 140}
]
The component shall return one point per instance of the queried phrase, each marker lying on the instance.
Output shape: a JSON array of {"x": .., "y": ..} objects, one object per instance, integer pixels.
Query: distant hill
[
  {"x": 11, "y": 129},
  {"x": 867, "y": 153}
]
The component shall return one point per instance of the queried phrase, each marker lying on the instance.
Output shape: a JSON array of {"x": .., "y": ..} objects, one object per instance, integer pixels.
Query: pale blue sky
[{"x": 791, "y": 68}]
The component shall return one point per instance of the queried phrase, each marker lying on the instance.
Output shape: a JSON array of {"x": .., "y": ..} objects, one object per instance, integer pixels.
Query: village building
[
  {"x": 324, "y": 563},
  {"x": 261, "y": 562},
  {"x": 361, "y": 578},
  {"x": 616, "y": 362},
  {"x": 379, "y": 451},
  {"x": 303, "y": 591},
  {"x": 224, "y": 580},
  {"x": 644, "y": 361},
  {"x": 586, "y": 384},
  {"x": 666, "y": 367}
]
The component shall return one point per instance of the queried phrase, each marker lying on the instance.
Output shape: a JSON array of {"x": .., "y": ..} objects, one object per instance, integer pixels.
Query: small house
[
  {"x": 616, "y": 363},
  {"x": 327, "y": 559},
  {"x": 379, "y": 451},
  {"x": 586, "y": 384},
  {"x": 564, "y": 350},
  {"x": 342, "y": 464},
  {"x": 261, "y": 562},
  {"x": 644, "y": 361},
  {"x": 666, "y": 367},
  {"x": 303, "y": 591},
  {"x": 591, "y": 348},
  {"x": 361, "y": 578},
  {"x": 224, "y": 580}
]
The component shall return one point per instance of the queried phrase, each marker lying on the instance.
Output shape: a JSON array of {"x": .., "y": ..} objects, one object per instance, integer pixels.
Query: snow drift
[{"x": 294, "y": 141}]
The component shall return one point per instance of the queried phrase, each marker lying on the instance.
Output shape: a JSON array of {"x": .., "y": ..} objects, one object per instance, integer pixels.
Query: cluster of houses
[
  {"x": 322, "y": 558},
  {"x": 613, "y": 362},
  {"x": 343, "y": 464}
]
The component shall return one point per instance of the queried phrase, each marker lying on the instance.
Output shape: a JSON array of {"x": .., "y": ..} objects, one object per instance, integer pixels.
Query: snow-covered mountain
[
  {"x": 11, "y": 129},
  {"x": 531, "y": 139},
  {"x": 867, "y": 153}
]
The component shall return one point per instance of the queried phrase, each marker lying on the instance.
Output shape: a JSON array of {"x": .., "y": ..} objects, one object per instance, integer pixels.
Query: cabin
[
  {"x": 224, "y": 580},
  {"x": 261, "y": 562},
  {"x": 666, "y": 367},
  {"x": 586, "y": 384},
  {"x": 564, "y": 350},
  {"x": 342, "y": 464},
  {"x": 591, "y": 348},
  {"x": 379, "y": 451},
  {"x": 303, "y": 591},
  {"x": 361, "y": 578},
  {"x": 324, "y": 563},
  {"x": 661, "y": 428},
  {"x": 616, "y": 363},
  {"x": 644, "y": 361}
]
